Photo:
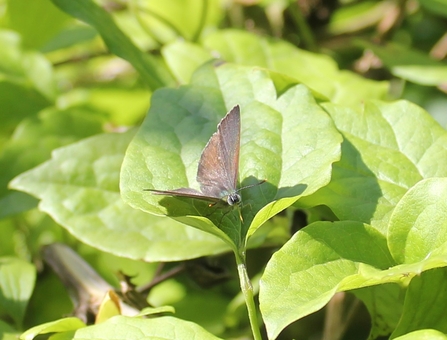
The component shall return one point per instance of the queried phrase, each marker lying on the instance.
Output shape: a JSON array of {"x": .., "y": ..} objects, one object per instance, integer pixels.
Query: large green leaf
[
  {"x": 385, "y": 153},
  {"x": 289, "y": 141},
  {"x": 318, "y": 261},
  {"x": 324, "y": 258},
  {"x": 79, "y": 189},
  {"x": 151, "y": 70}
]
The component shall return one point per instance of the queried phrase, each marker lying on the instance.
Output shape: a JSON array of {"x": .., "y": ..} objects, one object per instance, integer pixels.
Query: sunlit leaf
[
  {"x": 384, "y": 154},
  {"x": 167, "y": 327},
  {"x": 289, "y": 141},
  {"x": 79, "y": 189}
]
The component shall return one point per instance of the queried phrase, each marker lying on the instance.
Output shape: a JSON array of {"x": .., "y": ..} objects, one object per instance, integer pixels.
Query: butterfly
[{"x": 218, "y": 168}]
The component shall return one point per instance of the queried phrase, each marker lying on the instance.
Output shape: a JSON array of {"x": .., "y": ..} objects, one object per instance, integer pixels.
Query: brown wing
[
  {"x": 219, "y": 162},
  {"x": 184, "y": 192}
]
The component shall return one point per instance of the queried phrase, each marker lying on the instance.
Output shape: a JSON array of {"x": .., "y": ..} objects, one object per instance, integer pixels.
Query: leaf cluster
[{"x": 352, "y": 213}]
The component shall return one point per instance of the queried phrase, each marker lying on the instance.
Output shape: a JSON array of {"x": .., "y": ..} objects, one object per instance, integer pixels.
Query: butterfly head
[{"x": 234, "y": 199}]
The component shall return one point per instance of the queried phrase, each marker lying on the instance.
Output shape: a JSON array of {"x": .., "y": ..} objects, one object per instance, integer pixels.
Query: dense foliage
[{"x": 343, "y": 113}]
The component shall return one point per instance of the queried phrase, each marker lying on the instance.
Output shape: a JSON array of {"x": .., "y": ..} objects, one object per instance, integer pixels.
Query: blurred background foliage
[{"x": 59, "y": 84}]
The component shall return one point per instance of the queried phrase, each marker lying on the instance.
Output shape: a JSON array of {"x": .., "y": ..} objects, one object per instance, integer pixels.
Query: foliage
[{"x": 334, "y": 102}]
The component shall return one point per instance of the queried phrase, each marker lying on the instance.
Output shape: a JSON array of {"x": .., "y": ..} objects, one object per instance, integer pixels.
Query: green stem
[
  {"x": 304, "y": 29},
  {"x": 247, "y": 291}
]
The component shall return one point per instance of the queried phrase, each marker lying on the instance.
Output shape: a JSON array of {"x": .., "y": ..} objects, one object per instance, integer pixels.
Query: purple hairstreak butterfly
[{"x": 218, "y": 166}]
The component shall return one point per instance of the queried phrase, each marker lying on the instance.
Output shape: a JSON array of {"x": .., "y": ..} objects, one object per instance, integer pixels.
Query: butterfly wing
[
  {"x": 219, "y": 162},
  {"x": 184, "y": 192}
]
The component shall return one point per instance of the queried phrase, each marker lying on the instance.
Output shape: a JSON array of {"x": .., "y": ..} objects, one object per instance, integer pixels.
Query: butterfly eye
[{"x": 234, "y": 199}]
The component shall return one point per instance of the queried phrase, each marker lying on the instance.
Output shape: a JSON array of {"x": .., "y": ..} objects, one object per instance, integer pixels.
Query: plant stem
[
  {"x": 304, "y": 29},
  {"x": 247, "y": 291}
]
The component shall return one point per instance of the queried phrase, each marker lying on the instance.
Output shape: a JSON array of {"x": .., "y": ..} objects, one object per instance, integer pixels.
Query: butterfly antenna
[{"x": 251, "y": 185}]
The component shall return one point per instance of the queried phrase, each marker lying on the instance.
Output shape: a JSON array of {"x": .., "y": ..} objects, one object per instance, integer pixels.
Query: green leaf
[
  {"x": 385, "y": 304},
  {"x": 17, "y": 279},
  {"x": 318, "y": 261},
  {"x": 7, "y": 332},
  {"x": 32, "y": 143},
  {"x": 16, "y": 202},
  {"x": 410, "y": 64},
  {"x": 423, "y": 334},
  {"x": 425, "y": 303},
  {"x": 156, "y": 310},
  {"x": 79, "y": 189},
  {"x": 318, "y": 72},
  {"x": 29, "y": 70},
  {"x": 183, "y": 58},
  {"x": 70, "y": 36},
  {"x": 384, "y": 154},
  {"x": 289, "y": 141},
  {"x": 437, "y": 7},
  {"x": 36, "y": 21},
  {"x": 58, "y": 326},
  {"x": 26, "y": 81},
  {"x": 418, "y": 229},
  {"x": 172, "y": 19},
  {"x": 120, "y": 327},
  {"x": 150, "y": 69},
  {"x": 357, "y": 16},
  {"x": 325, "y": 258},
  {"x": 124, "y": 107}
]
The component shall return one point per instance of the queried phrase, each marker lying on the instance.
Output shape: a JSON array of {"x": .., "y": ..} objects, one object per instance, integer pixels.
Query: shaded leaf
[
  {"x": 7, "y": 332},
  {"x": 437, "y": 7},
  {"x": 425, "y": 303},
  {"x": 385, "y": 304}
]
